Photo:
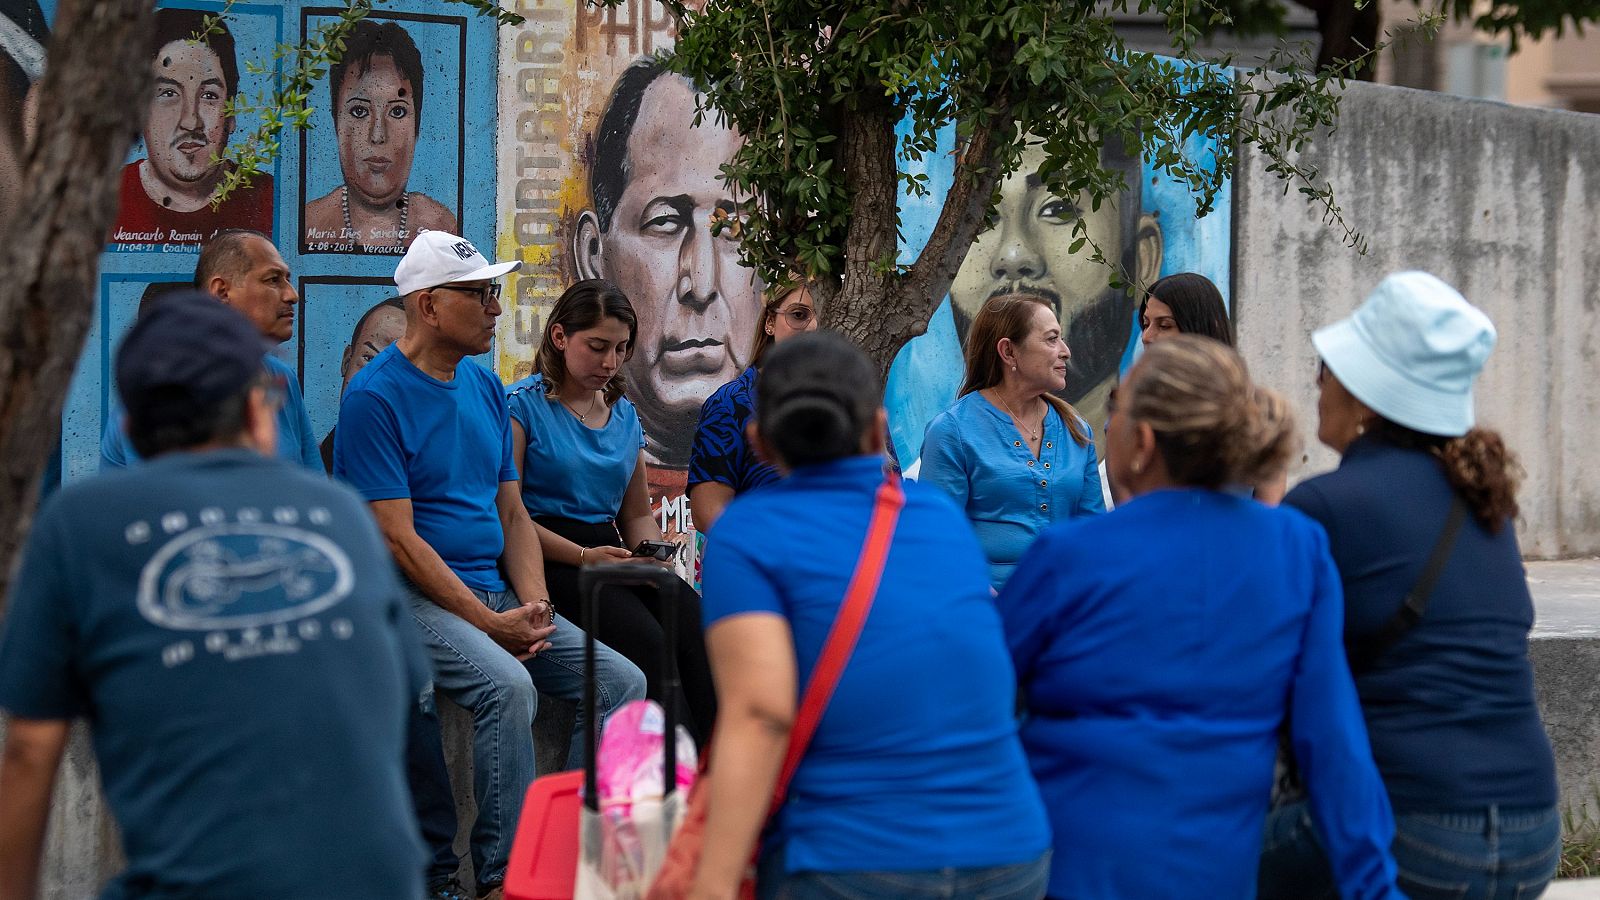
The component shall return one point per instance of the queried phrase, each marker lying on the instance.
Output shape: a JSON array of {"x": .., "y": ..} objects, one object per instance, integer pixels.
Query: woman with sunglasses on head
[
  {"x": 580, "y": 452},
  {"x": 1160, "y": 648},
  {"x": 721, "y": 463},
  {"x": 1013, "y": 455},
  {"x": 1420, "y": 518}
]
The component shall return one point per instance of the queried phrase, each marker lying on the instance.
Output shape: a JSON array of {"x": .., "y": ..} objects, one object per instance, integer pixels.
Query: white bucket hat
[
  {"x": 1411, "y": 353},
  {"x": 439, "y": 257}
]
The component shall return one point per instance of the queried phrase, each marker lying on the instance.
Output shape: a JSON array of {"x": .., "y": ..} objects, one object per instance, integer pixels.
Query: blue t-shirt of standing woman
[
  {"x": 916, "y": 763},
  {"x": 569, "y": 469},
  {"x": 974, "y": 451}
]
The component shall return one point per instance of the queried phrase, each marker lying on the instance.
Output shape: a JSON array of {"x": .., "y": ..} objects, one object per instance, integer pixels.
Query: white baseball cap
[
  {"x": 1411, "y": 353},
  {"x": 439, "y": 257}
]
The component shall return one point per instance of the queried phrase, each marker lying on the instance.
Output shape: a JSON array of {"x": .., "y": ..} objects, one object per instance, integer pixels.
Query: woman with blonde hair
[
  {"x": 1160, "y": 647},
  {"x": 1013, "y": 455},
  {"x": 721, "y": 463}
]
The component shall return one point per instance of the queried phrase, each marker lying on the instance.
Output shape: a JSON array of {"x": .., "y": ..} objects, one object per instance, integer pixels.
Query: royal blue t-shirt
[
  {"x": 569, "y": 469},
  {"x": 444, "y": 444},
  {"x": 1450, "y": 706},
  {"x": 720, "y": 453},
  {"x": 232, "y": 629},
  {"x": 295, "y": 442},
  {"x": 1160, "y": 648},
  {"x": 916, "y": 764}
]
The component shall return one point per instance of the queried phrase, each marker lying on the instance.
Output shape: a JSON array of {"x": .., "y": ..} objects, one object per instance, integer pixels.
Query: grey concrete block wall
[{"x": 1500, "y": 201}]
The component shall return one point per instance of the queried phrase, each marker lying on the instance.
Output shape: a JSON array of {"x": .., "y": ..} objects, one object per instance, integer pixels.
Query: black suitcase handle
[{"x": 590, "y": 580}]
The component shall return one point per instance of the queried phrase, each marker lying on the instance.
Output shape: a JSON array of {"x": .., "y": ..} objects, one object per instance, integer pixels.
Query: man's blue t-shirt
[
  {"x": 720, "y": 452},
  {"x": 446, "y": 445},
  {"x": 571, "y": 470},
  {"x": 232, "y": 629},
  {"x": 916, "y": 764},
  {"x": 295, "y": 443}
]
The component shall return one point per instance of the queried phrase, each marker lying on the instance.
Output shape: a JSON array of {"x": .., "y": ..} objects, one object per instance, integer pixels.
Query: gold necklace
[
  {"x": 1033, "y": 434},
  {"x": 583, "y": 417}
]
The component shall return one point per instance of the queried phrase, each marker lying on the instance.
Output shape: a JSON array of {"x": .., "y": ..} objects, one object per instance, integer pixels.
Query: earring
[
  {"x": 1361, "y": 428},
  {"x": 1137, "y": 467},
  {"x": 1013, "y": 368}
]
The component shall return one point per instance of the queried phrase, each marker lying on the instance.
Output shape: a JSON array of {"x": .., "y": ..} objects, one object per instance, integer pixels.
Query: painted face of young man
[
  {"x": 377, "y": 130},
  {"x": 1029, "y": 250},
  {"x": 186, "y": 131},
  {"x": 697, "y": 306},
  {"x": 380, "y": 328}
]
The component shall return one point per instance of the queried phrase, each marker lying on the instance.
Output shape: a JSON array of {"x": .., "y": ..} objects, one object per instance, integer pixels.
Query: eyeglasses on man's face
[{"x": 487, "y": 294}]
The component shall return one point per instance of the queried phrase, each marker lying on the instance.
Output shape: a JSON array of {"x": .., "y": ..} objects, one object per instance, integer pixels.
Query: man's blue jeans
[
  {"x": 1491, "y": 853},
  {"x": 501, "y": 694}
]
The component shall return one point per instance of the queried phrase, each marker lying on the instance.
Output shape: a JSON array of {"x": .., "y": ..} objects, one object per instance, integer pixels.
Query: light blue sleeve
[
  {"x": 116, "y": 451},
  {"x": 310, "y": 454},
  {"x": 944, "y": 460},
  {"x": 1091, "y": 499},
  {"x": 1033, "y": 589},
  {"x": 1348, "y": 802}
]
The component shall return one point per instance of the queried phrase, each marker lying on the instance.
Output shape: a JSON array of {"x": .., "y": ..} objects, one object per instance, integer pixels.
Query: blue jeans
[
  {"x": 1021, "y": 881},
  {"x": 1490, "y": 853},
  {"x": 498, "y": 690}
]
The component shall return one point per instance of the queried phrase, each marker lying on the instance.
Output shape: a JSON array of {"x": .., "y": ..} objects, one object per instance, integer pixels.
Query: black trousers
[{"x": 630, "y": 622}]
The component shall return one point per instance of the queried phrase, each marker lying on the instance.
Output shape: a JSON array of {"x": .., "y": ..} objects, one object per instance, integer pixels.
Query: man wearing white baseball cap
[
  {"x": 1419, "y": 517},
  {"x": 425, "y": 436}
]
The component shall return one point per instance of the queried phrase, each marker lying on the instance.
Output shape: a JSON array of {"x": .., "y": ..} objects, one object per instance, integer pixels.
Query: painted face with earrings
[{"x": 594, "y": 355}]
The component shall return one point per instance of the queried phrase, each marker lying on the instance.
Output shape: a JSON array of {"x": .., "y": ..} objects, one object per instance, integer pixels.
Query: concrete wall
[{"x": 1498, "y": 200}]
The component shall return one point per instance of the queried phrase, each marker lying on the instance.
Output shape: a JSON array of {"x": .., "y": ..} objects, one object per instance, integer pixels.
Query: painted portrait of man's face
[
  {"x": 381, "y": 326},
  {"x": 187, "y": 130},
  {"x": 1028, "y": 250},
  {"x": 697, "y": 306},
  {"x": 21, "y": 66}
]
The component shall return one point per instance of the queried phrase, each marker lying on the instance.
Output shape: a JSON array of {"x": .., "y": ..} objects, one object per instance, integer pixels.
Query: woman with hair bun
[
  {"x": 1160, "y": 647},
  {"x": 1013, "y": 455},
  {"x": 914, "y": 783},
  {"x": 1419, "y": 516}
]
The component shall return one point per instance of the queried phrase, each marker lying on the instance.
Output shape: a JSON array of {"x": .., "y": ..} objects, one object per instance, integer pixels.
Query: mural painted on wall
[
  {"x": 605, "y": 175},
  {"x": 402, "y": 139},
  {"x": 23, "y": 35},
  {"x": 1149, "y": 231}
]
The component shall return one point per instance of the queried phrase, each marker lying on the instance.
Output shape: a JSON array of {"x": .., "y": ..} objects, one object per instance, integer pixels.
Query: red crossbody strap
[{"x": 846, "y": 630}]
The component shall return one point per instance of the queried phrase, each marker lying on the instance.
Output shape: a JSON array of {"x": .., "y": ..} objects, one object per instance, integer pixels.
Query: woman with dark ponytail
[
  {"x": 1160, "y": 648},
  {"x": 913, "y": 784},
  {"x": 1437, "y": 610}
]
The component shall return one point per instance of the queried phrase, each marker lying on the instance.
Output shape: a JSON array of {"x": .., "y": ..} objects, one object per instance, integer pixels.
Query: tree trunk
[
  {"x": 92, "y": 97},
  {"x": 1347, "y": 33},
  {"x": 863, "y": 309}
]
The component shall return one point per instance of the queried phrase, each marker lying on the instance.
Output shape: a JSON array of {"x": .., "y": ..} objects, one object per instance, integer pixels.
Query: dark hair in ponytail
[
  {"x": 1479, "y": 466},
  {"x": 815, "y": 398}
]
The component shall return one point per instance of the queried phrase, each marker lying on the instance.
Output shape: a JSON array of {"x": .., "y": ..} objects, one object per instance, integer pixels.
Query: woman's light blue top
[
  {"x": 974, "y": 451},
  {"x": 569, "y": 469}
]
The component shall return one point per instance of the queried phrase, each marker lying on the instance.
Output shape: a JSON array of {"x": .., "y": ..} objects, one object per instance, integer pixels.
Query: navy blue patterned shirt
[{"x": 720, "y": 452}]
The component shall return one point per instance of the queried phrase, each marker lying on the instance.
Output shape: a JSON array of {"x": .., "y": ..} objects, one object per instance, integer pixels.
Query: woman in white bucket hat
[{"x": 1437, "y": 610}]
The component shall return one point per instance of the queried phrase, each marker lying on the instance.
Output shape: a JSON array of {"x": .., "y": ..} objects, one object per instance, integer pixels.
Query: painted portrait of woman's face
[{"x": 377, "y": 130}]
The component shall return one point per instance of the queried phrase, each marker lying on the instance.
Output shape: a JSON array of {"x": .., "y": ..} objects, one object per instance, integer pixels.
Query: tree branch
[{"x": 977, "y": 174}]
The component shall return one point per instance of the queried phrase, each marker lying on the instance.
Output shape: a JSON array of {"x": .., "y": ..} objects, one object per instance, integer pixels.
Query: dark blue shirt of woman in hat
[
  {"x": 914, "y": 784},
  {"x": 722, "y": 463},
  {"x": 1449, "y": 701},
  {"x": 1161, "y": 647}
]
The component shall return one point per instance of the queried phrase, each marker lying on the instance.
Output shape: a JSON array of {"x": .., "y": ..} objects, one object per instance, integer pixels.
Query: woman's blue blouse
[{"x": 569, "y": 469}]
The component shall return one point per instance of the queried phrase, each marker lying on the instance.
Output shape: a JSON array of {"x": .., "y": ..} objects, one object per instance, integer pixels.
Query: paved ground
[
  {"x": 1587, "y": 889},
  {"x": 1566, "y": 598}
]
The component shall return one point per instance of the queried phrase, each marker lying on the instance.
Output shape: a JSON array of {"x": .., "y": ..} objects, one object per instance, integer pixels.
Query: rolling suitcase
[{"x": 560, "y": 830}]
